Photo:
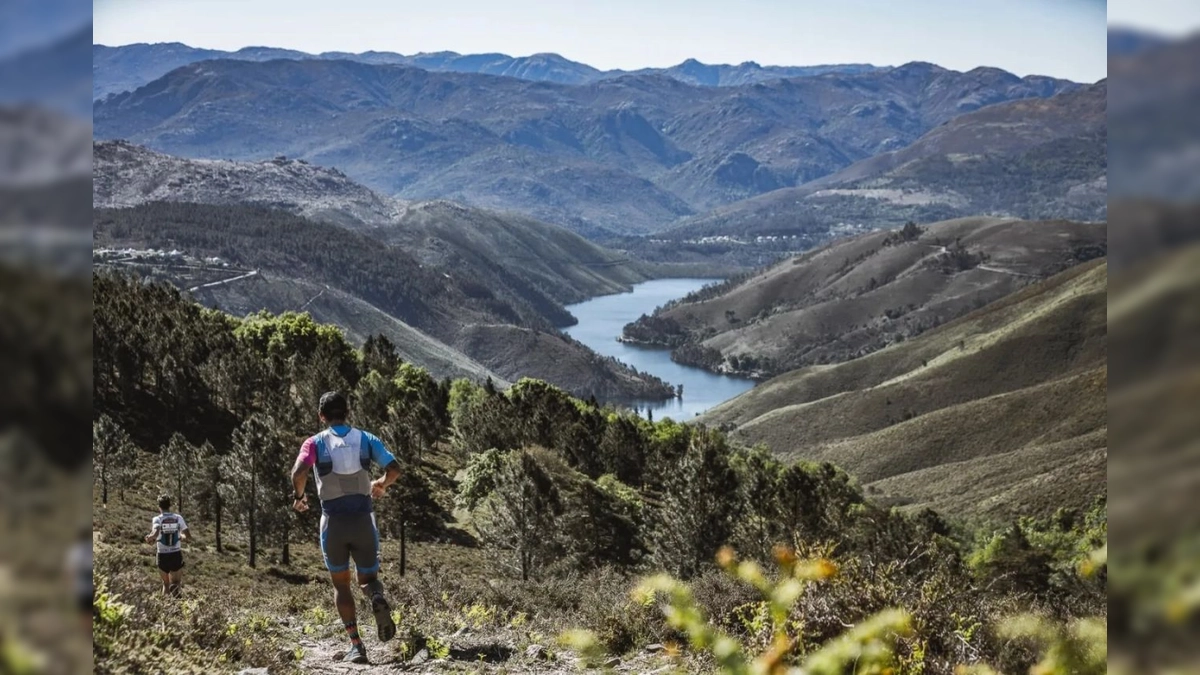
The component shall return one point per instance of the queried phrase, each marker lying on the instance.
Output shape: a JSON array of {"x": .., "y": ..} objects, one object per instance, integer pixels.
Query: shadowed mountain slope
[
  {"x": 347, "y": 277},
  {"x": 513, "y": 256}
]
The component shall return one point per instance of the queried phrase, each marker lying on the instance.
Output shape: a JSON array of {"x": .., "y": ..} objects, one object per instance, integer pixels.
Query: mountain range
[
  {"x": 127, "y": 67},
  {"x": 632, "y": 154},
  {"x": 420, "y": 273},
  {"x": 1032, "y": 158}
]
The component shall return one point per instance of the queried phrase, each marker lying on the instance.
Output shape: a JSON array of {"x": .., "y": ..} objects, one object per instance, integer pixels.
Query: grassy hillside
[
  {"x": 505, "y": 249},
  {"x": 1008, "y": 128},
  {"x": 1000, "y": 412},
  {"x": 529, "y": 513},
  {"x": 859, "y": 295}
]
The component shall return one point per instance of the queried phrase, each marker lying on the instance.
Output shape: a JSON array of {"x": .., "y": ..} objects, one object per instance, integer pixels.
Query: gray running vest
[{"x": 343, "y": 465}]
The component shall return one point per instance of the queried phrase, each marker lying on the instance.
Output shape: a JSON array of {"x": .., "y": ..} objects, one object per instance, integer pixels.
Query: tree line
[{"x": 225, "y": 402}]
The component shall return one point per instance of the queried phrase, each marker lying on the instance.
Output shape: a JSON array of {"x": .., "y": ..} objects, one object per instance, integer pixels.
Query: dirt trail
[{"x": 467, "y": 652}]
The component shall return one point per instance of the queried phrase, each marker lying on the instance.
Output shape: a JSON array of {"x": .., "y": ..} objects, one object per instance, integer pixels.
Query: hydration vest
[{"x": 343, "y": 465}]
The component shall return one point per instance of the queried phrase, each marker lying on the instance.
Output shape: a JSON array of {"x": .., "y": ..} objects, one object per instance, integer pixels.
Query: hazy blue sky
[{"x": 1065, "y": 38}]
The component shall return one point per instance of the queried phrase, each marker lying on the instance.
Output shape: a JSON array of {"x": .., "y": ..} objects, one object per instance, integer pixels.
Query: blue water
[{"x": 600, "y": 322}]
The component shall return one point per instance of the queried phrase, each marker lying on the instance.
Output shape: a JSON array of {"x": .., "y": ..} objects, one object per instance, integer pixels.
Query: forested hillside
[
  {"x": 540, "y": 262},
  {"x": 526, "y": 511},
  {"x": 288, "y": 251}
]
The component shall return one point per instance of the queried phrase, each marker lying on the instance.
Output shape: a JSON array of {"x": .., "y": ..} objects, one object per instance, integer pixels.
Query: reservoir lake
[{"x": 600, "y": 322}]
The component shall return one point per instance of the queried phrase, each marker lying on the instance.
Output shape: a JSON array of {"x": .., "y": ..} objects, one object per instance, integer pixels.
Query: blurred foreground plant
[
  {"x": 1079, "y": 647},
  {"x": 869, "y": 645}
]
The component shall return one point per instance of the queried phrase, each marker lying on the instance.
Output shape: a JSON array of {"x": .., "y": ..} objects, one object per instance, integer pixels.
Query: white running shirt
[{"x": 169, "y": 526}]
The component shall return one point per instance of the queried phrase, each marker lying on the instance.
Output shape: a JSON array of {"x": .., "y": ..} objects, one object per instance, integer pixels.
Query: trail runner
[
  {"x": 342, "y": 456},
  {"x": 169, "y": 530}
]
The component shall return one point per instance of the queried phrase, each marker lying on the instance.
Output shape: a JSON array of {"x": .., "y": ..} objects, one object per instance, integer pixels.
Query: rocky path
[{"x": 466, "y": 652}]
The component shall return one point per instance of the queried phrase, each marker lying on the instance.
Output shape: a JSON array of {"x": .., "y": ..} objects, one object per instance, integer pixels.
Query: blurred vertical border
[
  {"x": 1154, "y": 331},
  {"x": 45, "y": 334}
]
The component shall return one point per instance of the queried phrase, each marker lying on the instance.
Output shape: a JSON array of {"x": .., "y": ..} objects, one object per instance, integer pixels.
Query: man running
[
  {"x": 170, "y": 530},
  {"x": 343, "y": 456}
]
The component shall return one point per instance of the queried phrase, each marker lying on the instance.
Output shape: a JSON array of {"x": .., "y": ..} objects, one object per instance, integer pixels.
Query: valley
[
  {"x": 855, "y": 296},
  {"x": 693, "y": 368}
]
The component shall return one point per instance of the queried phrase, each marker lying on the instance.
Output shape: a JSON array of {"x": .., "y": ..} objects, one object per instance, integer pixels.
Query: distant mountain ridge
[
  {"x": 628, "y": 155},
  {"x": 127, "y": 67},
  {"x": 1031, "y": 158}
]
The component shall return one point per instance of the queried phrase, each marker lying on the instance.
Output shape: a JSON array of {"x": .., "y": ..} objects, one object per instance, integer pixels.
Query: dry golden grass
[
  {"x": 1002, "y": 411},
  {"x": 859, "y": 295}
]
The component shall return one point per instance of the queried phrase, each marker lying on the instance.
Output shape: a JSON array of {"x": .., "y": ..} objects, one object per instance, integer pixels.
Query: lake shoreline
[{"x": 600, "y": 326}]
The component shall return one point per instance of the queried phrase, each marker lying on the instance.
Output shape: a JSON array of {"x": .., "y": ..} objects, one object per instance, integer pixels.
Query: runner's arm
[
  {"x": 300, "y": 475},
  {"x": 153, "y": 535},
  {"x": 304, "y": 463},
  {"x": 391, "y": 473},
  {"x": 381, "y": 456}
]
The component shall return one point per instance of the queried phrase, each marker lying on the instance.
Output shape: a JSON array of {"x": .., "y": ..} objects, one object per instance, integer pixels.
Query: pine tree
[
  {"x": 243, "y": 472},
  {"x": 700, "y": 505},
  {"x": 379, "y": 355},
  {"x": 757, "y": 529},
  {"x": 517, "y": 520},
  {"x": 113, "y": 456},
  {"x": 277, "y": 487},
  {"x": 212, "y": 506},
  {"x": 180, "y": 464}
]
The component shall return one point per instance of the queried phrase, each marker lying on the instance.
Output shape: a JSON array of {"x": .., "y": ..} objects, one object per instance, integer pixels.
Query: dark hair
[
  {"x": 164, "y": 502},
  {"x": 334, "y": 405}
]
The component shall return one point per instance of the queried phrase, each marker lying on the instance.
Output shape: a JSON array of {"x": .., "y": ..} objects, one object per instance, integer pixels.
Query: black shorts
[
  {"x": 350, "y": 535},
  {"x": 86, "y": 601},
  {"x": 170, "y": 562}
]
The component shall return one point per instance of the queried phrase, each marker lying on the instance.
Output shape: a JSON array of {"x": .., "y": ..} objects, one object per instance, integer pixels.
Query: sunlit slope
[
  {"x": 861, "y": 294},
  {"x": 1000, "y": 411}
]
